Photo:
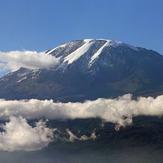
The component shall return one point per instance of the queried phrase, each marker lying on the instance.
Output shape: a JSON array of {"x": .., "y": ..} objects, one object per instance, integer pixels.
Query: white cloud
[
  {"x": 119, "y": 111},
  {"x": 27, "y": 59},
  {"x": 19, "y": 135},
  {"x": 73, "y": 137}
]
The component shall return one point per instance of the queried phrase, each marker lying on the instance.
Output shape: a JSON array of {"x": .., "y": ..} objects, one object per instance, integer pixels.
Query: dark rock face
[{"x": 89, "y": 69}]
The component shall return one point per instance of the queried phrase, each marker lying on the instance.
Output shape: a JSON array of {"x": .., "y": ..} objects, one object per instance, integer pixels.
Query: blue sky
[
  {"x": 40, "y": 25},
  {"x": 44, "y": 24}
]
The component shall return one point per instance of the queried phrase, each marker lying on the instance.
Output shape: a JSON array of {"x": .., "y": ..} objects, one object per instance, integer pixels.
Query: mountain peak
[
  {"x": 89, "y": 50},
  {"x": 112, "y": 43}
]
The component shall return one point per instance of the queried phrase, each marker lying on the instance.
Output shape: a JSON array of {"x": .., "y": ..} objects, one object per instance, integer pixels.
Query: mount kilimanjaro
[
  {"x": 89, "y": 69},
  {"x": 118, "y": 129}
]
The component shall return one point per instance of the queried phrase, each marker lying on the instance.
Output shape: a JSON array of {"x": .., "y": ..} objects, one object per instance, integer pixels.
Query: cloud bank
[
  {"x": 119, "y": 111},
  {"x": 28, "y": 59},
  {"x": 19, "y": 135}
]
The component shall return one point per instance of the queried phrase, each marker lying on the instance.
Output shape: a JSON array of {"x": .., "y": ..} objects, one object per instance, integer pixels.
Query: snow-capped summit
[{"x": 88, "y": 51}]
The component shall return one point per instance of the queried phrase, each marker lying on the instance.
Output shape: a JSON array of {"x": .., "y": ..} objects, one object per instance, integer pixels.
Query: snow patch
[
  {"x": 87, "y": 40},
  {"x": 96, "y": 55},
  {"x": 51, "y": 51},
  {"x": 111, "y": 43},
  {"x": 115, "y": 44},
  {"x": 22, "y": 74},
  {"x": 21, "y": 79},
  {"x": 79, "y": 52},
  {"x": 35, "y": 73}
]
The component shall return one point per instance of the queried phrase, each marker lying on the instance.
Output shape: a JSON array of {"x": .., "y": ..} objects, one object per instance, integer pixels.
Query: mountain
[{"x": 89, "y": 69}]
